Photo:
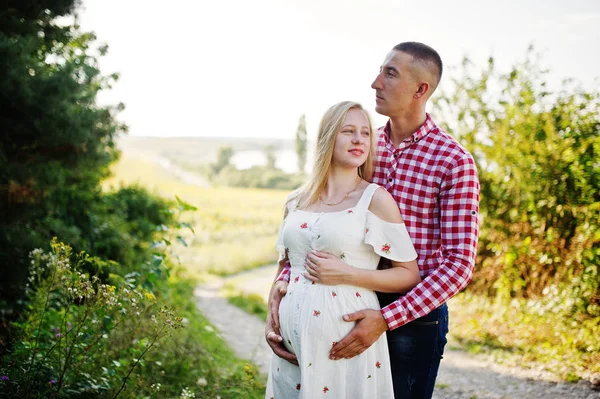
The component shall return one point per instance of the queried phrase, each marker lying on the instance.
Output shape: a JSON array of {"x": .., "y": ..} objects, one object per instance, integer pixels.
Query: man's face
[{"x": 395, "y": 85}]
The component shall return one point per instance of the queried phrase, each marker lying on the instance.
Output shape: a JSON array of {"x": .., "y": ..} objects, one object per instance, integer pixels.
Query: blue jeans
[{"x": 416, "y": 349}]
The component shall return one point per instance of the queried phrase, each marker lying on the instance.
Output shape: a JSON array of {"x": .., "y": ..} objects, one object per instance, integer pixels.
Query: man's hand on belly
[{"x": 370, "y": 324}]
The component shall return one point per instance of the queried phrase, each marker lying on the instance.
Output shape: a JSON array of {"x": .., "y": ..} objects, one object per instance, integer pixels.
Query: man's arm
[{"x": 459, "y": 231}]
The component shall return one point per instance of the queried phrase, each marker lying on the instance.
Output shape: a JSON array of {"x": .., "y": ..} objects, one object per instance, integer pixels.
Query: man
[{"x": 435, "y": 183}]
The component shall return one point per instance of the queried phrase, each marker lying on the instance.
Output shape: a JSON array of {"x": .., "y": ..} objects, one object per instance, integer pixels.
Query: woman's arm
[{"x": 329, "y": 270}]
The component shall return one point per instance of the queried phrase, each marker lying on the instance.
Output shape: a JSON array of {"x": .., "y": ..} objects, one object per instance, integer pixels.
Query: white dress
[{"x": 311, "y": 313}]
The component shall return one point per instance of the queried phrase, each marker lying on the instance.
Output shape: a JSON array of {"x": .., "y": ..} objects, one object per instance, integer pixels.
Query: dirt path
[{"x": 461, "y": 375}]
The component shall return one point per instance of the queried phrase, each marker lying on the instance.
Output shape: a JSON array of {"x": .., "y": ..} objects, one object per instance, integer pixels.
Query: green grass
[
  {"x": 196, "y": 358},
  {"x": 250, "y": 303},
  {"x": 522, "y": 334},
  {"x": 235, "y": 228}
]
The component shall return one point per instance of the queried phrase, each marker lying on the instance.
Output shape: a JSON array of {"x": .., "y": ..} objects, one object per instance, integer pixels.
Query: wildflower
[
  {"x": 52, "y": 382},
  {"x": 4, "y": 378},
  {"x": 156, "y": 386},
  {"x": 202, "y": 382},
  {"x": 186, "y": 394},
  {"x": 149, "y": 296},
  {"x": 58, "y": 335}
]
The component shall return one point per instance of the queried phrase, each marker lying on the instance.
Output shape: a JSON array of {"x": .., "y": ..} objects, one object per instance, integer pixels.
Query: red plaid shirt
[{"x": 435, "y": 183}]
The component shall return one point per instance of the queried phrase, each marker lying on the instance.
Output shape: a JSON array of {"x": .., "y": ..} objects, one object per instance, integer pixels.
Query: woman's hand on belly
[{"x": 326, "y": 269}]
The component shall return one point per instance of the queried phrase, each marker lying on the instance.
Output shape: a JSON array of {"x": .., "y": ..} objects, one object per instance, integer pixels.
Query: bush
[{"x": 81, "y": 337}]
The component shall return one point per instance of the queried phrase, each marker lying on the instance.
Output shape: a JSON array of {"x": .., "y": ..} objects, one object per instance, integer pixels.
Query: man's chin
[{"x": 381, "y": 110}]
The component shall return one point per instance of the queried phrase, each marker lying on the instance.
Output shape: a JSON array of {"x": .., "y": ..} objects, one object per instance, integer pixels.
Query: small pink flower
[
  {"x": 304, "y": 225},
  {"x": 378, "y": 365},
  {"x": 386, "y": 248},
  {"x": 358, "y": 294},
  {"x": 367, "y": 230},
  {"x": 298, "y": 387},
  {"x": 296, "y": 279},
  {"x": 333, "y": 294},
  {"x": 316, "y": 313},
  {"x": 350, "y": 211},
  {"x": 325, "y": 390}
]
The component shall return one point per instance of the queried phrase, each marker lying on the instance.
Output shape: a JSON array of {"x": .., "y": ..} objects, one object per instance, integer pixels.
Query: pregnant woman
[{"x": 339, "y": 212}]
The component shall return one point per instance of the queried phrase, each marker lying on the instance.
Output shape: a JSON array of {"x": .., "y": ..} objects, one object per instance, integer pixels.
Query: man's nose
[{"x": 376, "y": 84}]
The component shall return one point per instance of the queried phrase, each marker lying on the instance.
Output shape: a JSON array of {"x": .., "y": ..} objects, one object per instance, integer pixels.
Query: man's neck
[{"x": 402, "y": 127}]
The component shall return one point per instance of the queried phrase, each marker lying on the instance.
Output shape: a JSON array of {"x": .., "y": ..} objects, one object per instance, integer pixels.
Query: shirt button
[{"x": 390, "y": 180}]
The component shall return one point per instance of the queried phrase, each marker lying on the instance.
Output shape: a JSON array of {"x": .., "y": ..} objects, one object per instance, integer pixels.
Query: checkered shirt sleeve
[
  {"x": 285, "y": 273},
  {"x": 435, "y": 182}
]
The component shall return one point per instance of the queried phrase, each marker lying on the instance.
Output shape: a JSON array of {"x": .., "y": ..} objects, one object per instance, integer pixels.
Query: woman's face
[{"x": 353, "y": 141}]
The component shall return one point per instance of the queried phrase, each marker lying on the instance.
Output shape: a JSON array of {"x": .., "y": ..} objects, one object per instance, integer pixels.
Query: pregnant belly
[{"x": 315, "y": 313}]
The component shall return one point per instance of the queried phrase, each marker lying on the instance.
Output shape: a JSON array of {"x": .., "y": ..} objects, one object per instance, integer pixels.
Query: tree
[
  {"x": 270, "y": 155},
  {"x": 537, "y": 155},
  {"x": 57, "y": 143},
  {"x": 224, "y": 155},
  {"x": 301, "y": 140}
]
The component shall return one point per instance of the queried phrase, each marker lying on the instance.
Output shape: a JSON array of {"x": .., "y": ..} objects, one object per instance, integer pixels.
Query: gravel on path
[{"x": 461, "y": 376}]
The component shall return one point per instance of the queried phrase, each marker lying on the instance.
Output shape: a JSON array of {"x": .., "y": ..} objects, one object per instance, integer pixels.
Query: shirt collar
[{"x": 421, "y": 132}]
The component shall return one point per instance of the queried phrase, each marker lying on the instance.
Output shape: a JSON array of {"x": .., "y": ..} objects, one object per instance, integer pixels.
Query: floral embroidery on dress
[
  {"x": 350, "y": 211},
  {"x": 309, "y": 364},
  {"x": 298, "y": 387},
  {"x": 325, "y": 389},
  {"x": 304, "y": 225},
  {"x": 386, "y": 248},
  {"x": 296, "y": 279},
  {"x": 378, "y": 365},
  {"x": 358, "y": 294},
  {"x": 316, "y": 313},
  {"x": 369, "y": 376},
  {"x": 342, "y": 256},
  {"x": 333, "y": 294},
  {"x": 367, "y": 230}
]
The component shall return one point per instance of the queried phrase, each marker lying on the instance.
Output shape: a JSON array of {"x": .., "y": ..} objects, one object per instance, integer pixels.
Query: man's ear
[{"x": 422, "y": 90}]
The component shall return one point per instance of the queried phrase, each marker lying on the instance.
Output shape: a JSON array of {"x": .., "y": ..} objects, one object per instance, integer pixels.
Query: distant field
[
  {"x": 194, "y": 151},
  {"x": 235, "y": 228}
]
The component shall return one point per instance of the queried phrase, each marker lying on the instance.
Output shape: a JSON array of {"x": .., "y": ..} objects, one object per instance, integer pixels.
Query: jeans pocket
[{"x": 442, "y": 336}]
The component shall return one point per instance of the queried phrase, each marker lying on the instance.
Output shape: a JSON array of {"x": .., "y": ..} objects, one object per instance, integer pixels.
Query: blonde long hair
[{"x": 329, "y": 127}]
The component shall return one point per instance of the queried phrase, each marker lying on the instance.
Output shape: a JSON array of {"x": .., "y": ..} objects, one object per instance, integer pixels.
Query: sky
[{"x": 242, "y": 68}]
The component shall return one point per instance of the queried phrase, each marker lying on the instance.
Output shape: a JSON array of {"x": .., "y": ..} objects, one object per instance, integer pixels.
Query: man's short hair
[{"x": 423, "y": 53}]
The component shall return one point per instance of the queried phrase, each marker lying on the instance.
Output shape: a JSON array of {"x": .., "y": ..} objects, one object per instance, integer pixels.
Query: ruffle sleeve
[
  {"x": 389, "y": 240},
  {"x": 290, "y": 205}
]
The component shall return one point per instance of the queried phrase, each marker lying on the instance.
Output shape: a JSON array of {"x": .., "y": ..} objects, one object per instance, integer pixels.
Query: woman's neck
[{"x": 340, "y": 182}]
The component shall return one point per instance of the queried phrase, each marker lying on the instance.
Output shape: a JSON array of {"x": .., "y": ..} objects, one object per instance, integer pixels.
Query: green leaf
[{"x": 184, "y": 206}]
